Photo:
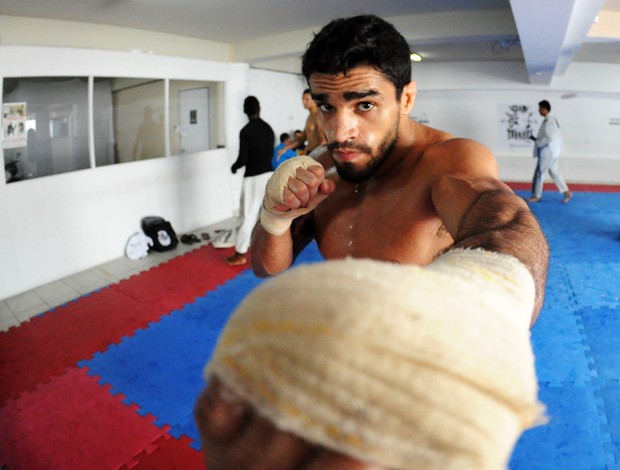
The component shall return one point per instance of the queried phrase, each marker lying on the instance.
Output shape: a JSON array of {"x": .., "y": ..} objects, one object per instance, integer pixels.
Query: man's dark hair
[
  {"x": 545, "y": 105},
  {"x": 251, "y": 106},
  {"x": 346, "y": 43},
  {"x": 284, "y": 136},
  {"x": 306, "y": 91}
]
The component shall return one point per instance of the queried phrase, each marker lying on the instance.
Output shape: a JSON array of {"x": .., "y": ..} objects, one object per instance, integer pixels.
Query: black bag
[{"x": 161, "y": 232}]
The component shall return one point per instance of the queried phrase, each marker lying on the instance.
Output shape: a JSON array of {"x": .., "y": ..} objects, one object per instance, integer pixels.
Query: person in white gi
[{"x": 547, "y": 148}]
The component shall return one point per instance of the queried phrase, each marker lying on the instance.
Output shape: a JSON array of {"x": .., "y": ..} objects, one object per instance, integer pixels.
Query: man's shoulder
[
  {"x": 455, "y": 146},
  {"x": 456, "y": 155}
]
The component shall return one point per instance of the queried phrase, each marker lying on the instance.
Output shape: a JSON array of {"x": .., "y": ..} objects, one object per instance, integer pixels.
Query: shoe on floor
[
  {"x": 567, "y": 196},
  {"x": 236, "y": 260},
  {"x": 533, "y": 199},
  {"x": 189, "y": 239},
  {"x": 186, "y": 239}
]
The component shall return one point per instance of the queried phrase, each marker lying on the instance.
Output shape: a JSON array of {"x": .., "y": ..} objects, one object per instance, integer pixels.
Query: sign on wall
[
  {"x": 517, "y": 122},
  {"x": 14, "y": 125}
]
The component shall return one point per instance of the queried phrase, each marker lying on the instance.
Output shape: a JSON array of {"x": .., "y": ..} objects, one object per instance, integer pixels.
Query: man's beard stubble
[{"x": 349, "y": 172}]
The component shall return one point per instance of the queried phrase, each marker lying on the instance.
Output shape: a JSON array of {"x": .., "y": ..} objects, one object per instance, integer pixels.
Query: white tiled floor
[{"x": 17, "y": 309}]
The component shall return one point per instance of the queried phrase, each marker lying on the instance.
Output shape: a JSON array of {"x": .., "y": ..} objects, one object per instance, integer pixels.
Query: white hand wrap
[
  {"x": 397, "y": 365},
  {"x": 274, "y": 221}
]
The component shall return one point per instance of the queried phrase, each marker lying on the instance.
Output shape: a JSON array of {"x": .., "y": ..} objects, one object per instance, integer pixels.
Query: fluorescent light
[{"x": 415, "y": 57}]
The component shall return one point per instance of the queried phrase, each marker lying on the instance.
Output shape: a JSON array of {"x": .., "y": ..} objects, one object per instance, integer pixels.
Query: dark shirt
[{"x": 256, "y": 143}]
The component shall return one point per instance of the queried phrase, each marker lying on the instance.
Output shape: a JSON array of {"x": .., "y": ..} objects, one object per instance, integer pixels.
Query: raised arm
[
  {"x": 480, "y": 211},
  {"x": 285, "y": 226}
]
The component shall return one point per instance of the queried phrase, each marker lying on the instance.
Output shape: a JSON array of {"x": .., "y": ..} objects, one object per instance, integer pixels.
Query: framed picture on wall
[
  {"x": 517, "y": 122},
  {"x": 14, "y": 125}
]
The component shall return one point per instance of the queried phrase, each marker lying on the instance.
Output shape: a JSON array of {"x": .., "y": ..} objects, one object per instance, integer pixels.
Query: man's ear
[{"x": 407, "y": 98}]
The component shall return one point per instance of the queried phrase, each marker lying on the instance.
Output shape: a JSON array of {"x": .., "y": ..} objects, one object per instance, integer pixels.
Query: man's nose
[{"x": 343, "y": 127}]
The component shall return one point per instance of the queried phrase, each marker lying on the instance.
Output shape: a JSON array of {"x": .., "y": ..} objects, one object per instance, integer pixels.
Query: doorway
[{"x": 194, "y": 125}]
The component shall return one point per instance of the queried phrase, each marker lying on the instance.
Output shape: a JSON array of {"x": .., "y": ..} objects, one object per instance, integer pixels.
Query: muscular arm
[
  {"x": 479, "y": 211},
  {"x": 273, "y": 254},
  {"x": 286, "y": 223}
]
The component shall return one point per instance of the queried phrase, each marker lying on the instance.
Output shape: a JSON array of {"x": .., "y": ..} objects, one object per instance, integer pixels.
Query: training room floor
[
  {"x": 19, "y": 308},
  {"x": 108, "y": 379}
]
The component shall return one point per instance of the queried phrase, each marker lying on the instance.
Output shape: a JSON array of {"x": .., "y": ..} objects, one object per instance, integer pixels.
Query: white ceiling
[{"x": 545, "y": 34}]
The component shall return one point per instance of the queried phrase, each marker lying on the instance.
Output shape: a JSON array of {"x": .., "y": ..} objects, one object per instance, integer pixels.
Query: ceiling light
[{"x": 415, "y": 57}]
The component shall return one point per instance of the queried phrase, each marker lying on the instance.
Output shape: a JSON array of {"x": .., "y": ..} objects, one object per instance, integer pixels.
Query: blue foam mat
[
  {"x": 574, "y": 340},
  {"x": 573, "y": 439}
]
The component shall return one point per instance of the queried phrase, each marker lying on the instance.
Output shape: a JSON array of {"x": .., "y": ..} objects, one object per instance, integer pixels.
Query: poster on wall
[
  {"x": 14, "y": 125},
  {"x": 517, "y": 122}
]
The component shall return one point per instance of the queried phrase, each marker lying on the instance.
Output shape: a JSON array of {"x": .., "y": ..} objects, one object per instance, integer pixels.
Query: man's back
[{"x": 256, "y": 145}]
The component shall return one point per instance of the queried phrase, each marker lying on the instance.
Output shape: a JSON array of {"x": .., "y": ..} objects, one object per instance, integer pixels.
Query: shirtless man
[
  {"x": 312, "y": 134},
  {"x": 403, "y": 192}
]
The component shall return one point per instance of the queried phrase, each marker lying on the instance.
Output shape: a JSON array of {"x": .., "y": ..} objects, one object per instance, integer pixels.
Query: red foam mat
[
  {"x": 183, "y": 278},
  {"x": 168, "y": 453},
  {"x": 47, "y": 345},
  {"x": 72, "y": 422}
]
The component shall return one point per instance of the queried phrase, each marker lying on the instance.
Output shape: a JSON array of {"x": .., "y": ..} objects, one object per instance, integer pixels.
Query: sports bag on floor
[{"x": 161, "y": 232}]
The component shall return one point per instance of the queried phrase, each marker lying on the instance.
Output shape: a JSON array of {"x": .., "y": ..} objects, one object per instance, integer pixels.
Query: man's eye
[
  {"x": 325, "y": 107},
  {"x": 365, "y": 106}
]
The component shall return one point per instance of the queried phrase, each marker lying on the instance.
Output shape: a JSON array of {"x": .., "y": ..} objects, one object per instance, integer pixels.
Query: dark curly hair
[{"x": 346, "y": 43}]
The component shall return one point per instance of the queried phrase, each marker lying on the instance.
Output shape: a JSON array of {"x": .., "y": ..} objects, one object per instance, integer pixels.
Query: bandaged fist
[{"x": 296, "y": 188}]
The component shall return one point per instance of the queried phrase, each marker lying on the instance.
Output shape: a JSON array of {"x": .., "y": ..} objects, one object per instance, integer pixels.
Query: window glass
[
  {"x": 45, "y": 126},
  {"x": 128, "y": 119},
  {"x": 45, "y": 121}
]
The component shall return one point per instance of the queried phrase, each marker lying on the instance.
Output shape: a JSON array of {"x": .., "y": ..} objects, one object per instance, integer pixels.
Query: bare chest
[{"x": 391, "y": 224}]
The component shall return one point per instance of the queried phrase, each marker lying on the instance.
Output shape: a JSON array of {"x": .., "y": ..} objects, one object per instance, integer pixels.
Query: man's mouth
[{"x": 346, "y": 155}]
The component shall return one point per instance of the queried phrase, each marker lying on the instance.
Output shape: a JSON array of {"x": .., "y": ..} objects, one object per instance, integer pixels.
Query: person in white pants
[
  {"x": 547, "y": 150},
  {"x": 256, "y": 144}
]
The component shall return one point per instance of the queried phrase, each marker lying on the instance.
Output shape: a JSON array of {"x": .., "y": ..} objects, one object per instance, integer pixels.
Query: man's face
[
  {"x": 542, "y": 111},
  {"x": 360, "y": 116}
]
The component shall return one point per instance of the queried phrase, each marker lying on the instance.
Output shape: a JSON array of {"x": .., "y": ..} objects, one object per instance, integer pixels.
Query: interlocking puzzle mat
[{"x": 110, "y": 380}]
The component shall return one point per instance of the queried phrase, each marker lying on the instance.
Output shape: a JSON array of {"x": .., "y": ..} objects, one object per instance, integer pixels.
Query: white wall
[
  {"x": 464, "y": 99},
  {"x": 54, "y": 226},
  {"x": 280, "y": 98}
]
